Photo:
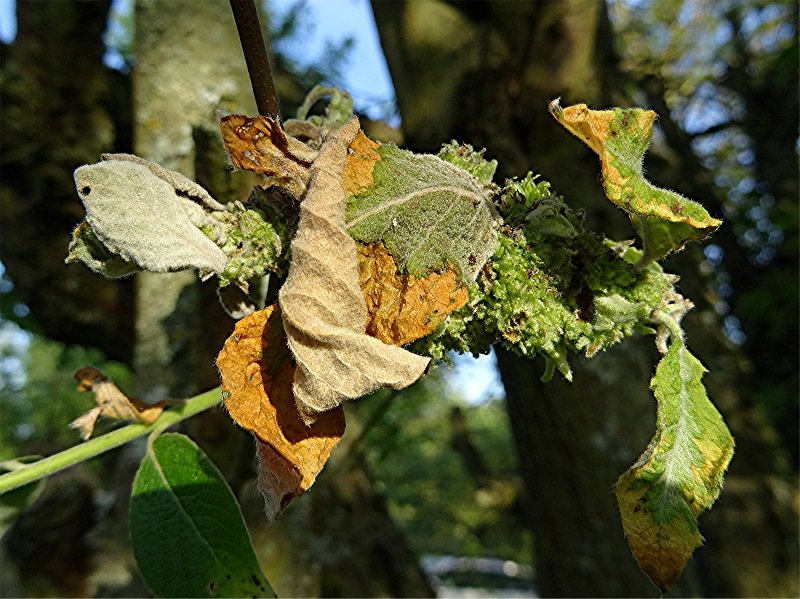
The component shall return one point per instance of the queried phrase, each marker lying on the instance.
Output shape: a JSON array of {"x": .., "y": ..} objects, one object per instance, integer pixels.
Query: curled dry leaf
[
  {"x": 111, "y": 403},
  {"x": 257, "y": 373},
  {"x": 260, "y": 144},
  {"x": 402, "y": 307},
  {"x": 323, "y": 307}
]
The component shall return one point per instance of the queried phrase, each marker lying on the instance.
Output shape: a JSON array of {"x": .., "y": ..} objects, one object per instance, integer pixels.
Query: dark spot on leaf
[
  {"x": 626, "y": 119},
  {"x": 256, "y": 580},
  {"x": 85, "y": 191},
  {"x": 212, "y": 588}
]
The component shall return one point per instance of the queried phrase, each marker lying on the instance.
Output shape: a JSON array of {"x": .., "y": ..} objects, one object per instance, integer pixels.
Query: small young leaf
[
  {"x": 665, "y": 220},
  {"x": 680, "y": 473},
  {"x": 188, "y": 533},
  {"x": 465, "y": 157},
  {"x": 430, "y": 214}
]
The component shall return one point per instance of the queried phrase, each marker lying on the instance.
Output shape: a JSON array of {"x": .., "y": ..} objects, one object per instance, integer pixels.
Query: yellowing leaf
[
  {"x": 111, "y": 403},
  {"x": 260, "y": 144},
  {"x": 257, "y": 372},
  {"x": 429, "y": 213},
  {"x": 324, "y": 313},
  {"x": 665, "y": 220},
  {"x": 402, "y": 307},
  {"x": 679, "y": 475}
]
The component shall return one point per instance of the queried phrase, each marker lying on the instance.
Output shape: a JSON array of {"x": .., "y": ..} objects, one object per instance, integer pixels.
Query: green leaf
[
  {"x": 680, "y": 473},
  {"x": 188, "y": 533},
  {"x": 665, "y": 220},
  {"x": 465, "y": 157},
  {"x": 428, "y": 212}
]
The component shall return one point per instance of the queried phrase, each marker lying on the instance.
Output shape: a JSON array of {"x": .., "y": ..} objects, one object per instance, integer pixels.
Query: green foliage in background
[{"x": 39, "y": 397}]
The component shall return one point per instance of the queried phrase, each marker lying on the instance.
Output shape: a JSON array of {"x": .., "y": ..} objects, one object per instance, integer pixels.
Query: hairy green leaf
[
  {"x": 680, "y": 473},
  {"x": 188, "y": 533},
  {"x": 465, "y": 157},
  {"x": 428, "y": 212},
  {"x": 665, "y": 220}
]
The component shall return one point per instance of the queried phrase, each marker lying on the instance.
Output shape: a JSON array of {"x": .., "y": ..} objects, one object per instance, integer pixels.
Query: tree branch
[{"x": 255, "y": 55}]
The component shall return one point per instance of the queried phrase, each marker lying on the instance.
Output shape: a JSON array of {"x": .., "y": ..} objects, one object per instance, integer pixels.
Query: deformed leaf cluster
[{"x": 551, "y": 286}]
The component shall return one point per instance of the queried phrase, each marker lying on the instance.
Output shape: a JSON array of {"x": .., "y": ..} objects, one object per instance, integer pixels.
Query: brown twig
[{"x": 255, "y": 55}]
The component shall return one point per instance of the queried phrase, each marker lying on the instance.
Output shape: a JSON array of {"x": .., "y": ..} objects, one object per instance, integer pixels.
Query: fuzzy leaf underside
[
  {"x": 429, "y": 213},
  {"x": 680, "y": 474},
  {"x": 666, "y": 220},
  {"x": 140, "y": 218}
]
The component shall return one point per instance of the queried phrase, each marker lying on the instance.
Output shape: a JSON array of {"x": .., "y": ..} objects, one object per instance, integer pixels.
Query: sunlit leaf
[
  {"x": 257, "y": 372},
  {"x": 430, "y": 214},
  {"x": 679, "y": 475},
  {"x": 665, "y": 220},
  {"x": 323, "y": 307}
]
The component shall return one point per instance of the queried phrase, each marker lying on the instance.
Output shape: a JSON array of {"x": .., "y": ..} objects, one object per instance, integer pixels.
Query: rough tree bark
[{"x": 483, "y": 73}]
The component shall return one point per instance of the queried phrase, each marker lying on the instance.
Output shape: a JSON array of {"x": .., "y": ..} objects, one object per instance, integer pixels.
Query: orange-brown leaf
[
  {"x": 360, "y": 161},
  {"x": 402, "y": 307},
  {"x": 111, "y": 403},
  {"x": 257, "y": 373},
  {"x": 260, "y": 144}
]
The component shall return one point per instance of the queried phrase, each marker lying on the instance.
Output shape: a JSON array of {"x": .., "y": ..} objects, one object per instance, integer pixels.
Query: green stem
[{"x": 89, "y": 449}]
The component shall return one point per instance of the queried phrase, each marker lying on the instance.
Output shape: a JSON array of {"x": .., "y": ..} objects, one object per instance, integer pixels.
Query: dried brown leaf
[
  {"x": 402, "y": 307},
  {"x": 260, "y": 144},
  {"x": 111, "y": 403},
  {"x": 257, "y": 373},
  {"x": 324, "y": 313}
]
